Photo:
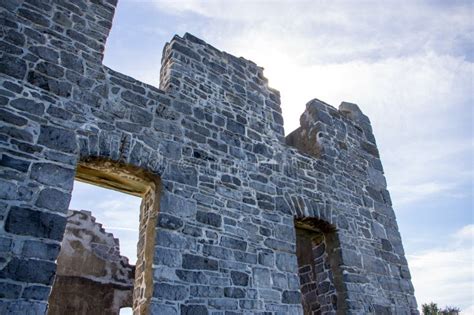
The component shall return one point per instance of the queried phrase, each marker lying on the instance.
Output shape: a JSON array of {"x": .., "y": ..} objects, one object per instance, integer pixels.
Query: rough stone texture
[
  {"x": 91, "y": 276},
  {"x": 231, "y": 185},
  {"x": 143, "y": 289},
  {"x": 318, "y": 273}
]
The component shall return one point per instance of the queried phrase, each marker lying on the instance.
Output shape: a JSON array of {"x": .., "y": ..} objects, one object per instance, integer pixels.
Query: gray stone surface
[{"x": 231, "y": 183}]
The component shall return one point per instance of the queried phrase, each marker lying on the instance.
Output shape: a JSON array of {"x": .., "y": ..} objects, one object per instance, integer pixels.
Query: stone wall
[
  {"x": 143, "y": 290},
  {"x": 91, "y": 275},
  {"x": 317, "y": 272},
  {"x": 231, "y": 185}
]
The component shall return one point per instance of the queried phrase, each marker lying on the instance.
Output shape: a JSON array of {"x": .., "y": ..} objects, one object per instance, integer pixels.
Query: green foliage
[
  {"x": 430, "y": 309},
  {"x": 433, "y": 309},
  {"x": 450, "y": 310}
]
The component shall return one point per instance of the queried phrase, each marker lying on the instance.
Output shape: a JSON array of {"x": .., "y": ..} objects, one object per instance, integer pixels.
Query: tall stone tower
[{"x": 235, "y": 218}]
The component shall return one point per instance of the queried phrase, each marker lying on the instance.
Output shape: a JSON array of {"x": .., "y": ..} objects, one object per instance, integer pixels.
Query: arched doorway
[{"x": 318, "y": 267}]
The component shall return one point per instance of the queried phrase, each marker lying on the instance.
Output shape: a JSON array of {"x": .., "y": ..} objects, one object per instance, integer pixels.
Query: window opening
[
  {"x": 126, "y": 311},
  {"x": 109, "y": 234}
]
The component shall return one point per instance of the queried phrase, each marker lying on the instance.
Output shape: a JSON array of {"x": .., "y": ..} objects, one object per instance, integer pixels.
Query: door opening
[
  {"x": 96, "y": 274},
  {"x": 316, "y": 245}
]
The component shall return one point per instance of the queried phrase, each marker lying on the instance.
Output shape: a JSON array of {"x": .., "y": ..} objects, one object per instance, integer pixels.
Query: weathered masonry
[
  {"x": 91, "y": 276},
  {"x": 228, "y": 201}
]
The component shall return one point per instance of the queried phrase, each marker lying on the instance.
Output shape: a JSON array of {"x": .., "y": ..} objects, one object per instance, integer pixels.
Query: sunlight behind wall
[{"x": 117, "y": 212}]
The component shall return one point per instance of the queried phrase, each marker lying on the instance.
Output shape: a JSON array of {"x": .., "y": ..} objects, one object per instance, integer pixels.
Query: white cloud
[
  {"x": 468, "y": 310},
  {"x": 336, "y": 30},
  {"x": 421, "y": 168},
  {"x": 445, "y": 275},
  {"x": 465, "y": 236},
  {"x": 407, "y": 64},
  {"x": 117, "y": 212}
]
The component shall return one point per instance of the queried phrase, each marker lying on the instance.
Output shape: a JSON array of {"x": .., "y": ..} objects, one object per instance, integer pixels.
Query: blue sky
[{"x": 409, "y": 66}]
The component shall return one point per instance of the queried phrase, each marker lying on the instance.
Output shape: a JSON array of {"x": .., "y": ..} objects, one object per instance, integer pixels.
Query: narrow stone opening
[
  {"x": 93, "y": 276},
  {"x": 126, "y": 311},
  {"x": 316, "y": 251}
]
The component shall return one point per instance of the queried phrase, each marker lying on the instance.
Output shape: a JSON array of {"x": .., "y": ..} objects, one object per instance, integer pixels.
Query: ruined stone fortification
[
  {"x": 231, "y": 210},
  {"x": 91, "y": 275}
]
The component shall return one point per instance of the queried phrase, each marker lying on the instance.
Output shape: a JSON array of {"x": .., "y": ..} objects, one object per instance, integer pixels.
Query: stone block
[
  {"x": 13, "y": 66},
  {"x": 29, "y": 270},
  {"x": 53, "y": 175},
  {"x": 169, "y": 222},
  {"x": 40, "y": 250},
  {"x": 36, "y": 292},
  {"x": 209, "y": 218},
  {"x": 235, "y": 293},
  {"x": 286, "y": 262},
  {"x": 233, "y": 243},
  {"x": 28, "y": 105},
  {"x": 192, "y": 276},
  {"x": 174, "y": 240},
  {"x": 167, "y": 257},
  {"x": 178, "y": 206},
  {"x": 22, "y": 307},
  {"x": 291, "y": 297},
  {"x": 14, "y": 163},
  {"x": 198, "y": 291},
  {"x": 25, "y": 221},
  {"x": 163, "y": 309},
  {"x": 279, "y": 281},
  {"x": 261, "y": 277},
  {"x": 239, "y": 278},
  {"x": 194, "y": 310},
  {"x": 199, "y": 262},
  {"x": 9, "y": 290},
  {"x": 266, "y": 259},
  {"x": 57, "y": 139},
  {"x": 11, "y": 118},
  {"x": 170, "y": 292},
  {"x": 53, "y": 199}
]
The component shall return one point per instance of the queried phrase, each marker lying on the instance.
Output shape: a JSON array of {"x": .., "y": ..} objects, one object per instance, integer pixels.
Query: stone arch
[
  {"x": 319, "y": 260},
  {"x": 300, "y": 206},
  {"x": 119, "y": 147}
]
